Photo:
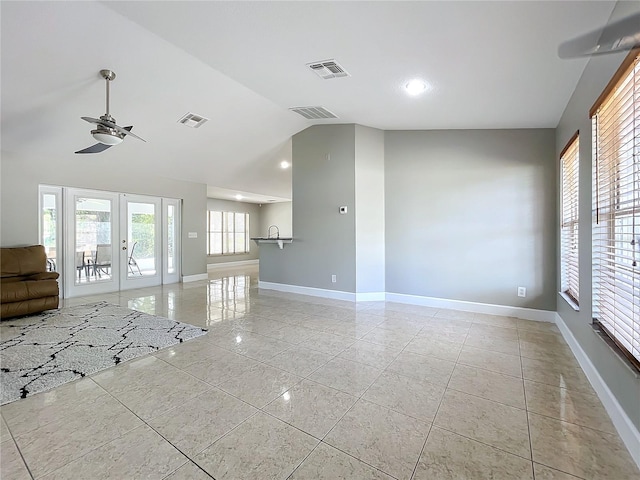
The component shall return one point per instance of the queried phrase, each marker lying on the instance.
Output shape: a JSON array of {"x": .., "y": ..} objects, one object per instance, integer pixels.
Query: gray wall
[
  {"x": 279, "y": 214},
  {"x": 471, "y": 215},
  {"x": 323, "y": 179},
  {"x": 369, "y": 211},
  {"x": 254, "y": 212},
  {"x": 19, "y": 198},
  {"x": 621, "y": 381}
]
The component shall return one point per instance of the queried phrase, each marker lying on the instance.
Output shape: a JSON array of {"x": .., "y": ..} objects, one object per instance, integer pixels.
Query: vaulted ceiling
[{"x": 243, "y": 65}]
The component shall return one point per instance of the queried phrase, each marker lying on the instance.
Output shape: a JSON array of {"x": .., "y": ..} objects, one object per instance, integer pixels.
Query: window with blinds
[
  {"x": 227, "y": 233},
  {"x": 569, "y": 228},
  {"x": 616, "y": 197}
]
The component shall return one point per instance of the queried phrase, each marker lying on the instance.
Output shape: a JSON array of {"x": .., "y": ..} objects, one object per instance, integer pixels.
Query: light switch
[{"x": 193, "y": 234}]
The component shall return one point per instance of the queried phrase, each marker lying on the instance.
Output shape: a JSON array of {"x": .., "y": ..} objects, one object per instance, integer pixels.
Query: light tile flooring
[{"x": 286, "y": 386}]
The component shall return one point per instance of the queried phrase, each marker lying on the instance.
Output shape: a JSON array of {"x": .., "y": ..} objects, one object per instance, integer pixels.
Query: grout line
[
  {"x": 435, "y": 415},
  {"x": 352, "y": 456},
  {"x": 572, "y": 475},
  {"x": 145, "y": 422},
  {"x": 358, "y": 398},
  {"x": 526, "y": 407},
  {"x": 26, "y": 465},
  {"x": 483, "y": 443},
  {"x": 488, "y": 399}
]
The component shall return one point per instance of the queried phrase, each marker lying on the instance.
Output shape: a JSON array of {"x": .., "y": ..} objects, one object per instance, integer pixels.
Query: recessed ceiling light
[
  {"x": 415, "y": 87},
  {"x": 284, "y": 164},
  {"x": 239, "y": 197}
]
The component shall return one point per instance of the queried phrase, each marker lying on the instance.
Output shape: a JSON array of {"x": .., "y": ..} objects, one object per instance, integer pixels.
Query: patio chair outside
[
  {"x": 80, "y": 265},
  {"x": 132, "y": 261},
  {"x": 102, "y": 262}
]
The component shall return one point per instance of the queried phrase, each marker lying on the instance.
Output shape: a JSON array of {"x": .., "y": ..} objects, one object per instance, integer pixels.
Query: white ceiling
[{"x": 242, "y": 65}]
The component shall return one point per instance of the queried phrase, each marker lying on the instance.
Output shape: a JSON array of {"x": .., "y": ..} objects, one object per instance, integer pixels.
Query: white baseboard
[
  {"x": 518, "y": 312},
  {"x": 194, "y": 278},
  {"x": 370, "y": 297},
  {"x": 239, "y": 263},
  {"x": 314, "y": 292},
  {"x": 625, "y": 427}
]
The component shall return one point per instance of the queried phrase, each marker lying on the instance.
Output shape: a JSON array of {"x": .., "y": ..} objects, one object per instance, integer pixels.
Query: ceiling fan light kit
[
  {"x": 107, "y": 136},
  {"x": 107, "y": 132}
]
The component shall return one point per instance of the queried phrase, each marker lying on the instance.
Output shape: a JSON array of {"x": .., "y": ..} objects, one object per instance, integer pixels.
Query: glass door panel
[
  {"x": 141, "y": 223},
  {"x": 140, "y": 251},
  {"x": 171, "y": 239},
  {"x": 93, "y": 246},
  {"x": 90, "y": 251},
  {"x": 51, "y": 228},
  {"x": 171, "y": 229}
]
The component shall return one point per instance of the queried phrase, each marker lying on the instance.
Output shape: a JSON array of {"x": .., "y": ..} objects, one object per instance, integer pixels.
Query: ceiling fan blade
[
  {"x": 97, "y": 148},
  {"x": 617, "y": 37},
  {"x": 97, "y": 121}
]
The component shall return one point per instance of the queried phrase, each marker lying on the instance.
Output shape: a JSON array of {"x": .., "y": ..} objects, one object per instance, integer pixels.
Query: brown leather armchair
[{"x": 25, "y": 285}]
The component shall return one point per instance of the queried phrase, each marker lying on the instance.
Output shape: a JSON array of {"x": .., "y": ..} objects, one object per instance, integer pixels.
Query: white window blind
[
  {"x": 616, "y": 196},
  {"x": 569, "y": 228}
]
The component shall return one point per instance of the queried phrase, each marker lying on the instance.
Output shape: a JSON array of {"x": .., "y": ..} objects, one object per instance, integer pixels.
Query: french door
[
  {"x": 112, "y": 241},
  {"x": 148, "y": 253},
  {"x": 140, "y": 242}
]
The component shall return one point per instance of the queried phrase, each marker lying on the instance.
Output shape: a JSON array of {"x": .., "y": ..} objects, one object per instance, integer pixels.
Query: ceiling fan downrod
[{"x": 108, "y": 75}]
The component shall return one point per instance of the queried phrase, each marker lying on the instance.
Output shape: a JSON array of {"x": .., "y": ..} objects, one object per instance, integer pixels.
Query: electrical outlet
[
  {"x": 333, "y": 279},
  {"x": 522, "y": 291}
]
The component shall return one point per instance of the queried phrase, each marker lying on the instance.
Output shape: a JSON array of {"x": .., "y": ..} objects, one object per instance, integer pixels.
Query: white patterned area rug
[{"x": 40, "y": 352}]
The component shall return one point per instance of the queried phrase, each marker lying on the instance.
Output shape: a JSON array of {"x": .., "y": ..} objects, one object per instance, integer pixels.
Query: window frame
[
  {"x": 570, "y": 220},
  {"x": 227, "y": 238},
  {"x": 616, "y": 285}
]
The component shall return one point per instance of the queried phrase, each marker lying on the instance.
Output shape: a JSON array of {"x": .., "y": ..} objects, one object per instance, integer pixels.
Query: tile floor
[{"x": 286, "y": 386}]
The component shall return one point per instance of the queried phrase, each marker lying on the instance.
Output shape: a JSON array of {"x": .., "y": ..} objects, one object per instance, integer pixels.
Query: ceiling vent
[
  {"x": 192, "y": 120},
  {"x": 328, "y": 69},
  {"x": 313, "y": 113}
]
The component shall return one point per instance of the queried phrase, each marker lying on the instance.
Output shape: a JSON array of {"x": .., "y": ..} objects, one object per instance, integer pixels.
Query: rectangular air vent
[
  {"x": 313, "y": 113},
  {"x": 327, "y": 69},
  {"x": 192, "y": 120}
]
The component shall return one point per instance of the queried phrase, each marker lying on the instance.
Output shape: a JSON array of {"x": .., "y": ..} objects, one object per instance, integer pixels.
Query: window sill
[
  {"x": 570, "y": 301},
  {"x": 616, "y": 350},
  {"x": 218, "y": 255}
]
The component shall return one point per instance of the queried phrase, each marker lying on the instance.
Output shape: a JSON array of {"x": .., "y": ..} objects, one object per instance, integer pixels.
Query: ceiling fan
[
  {"x": 619, "y": 36},
  {"x": 107, "y": 132}
]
